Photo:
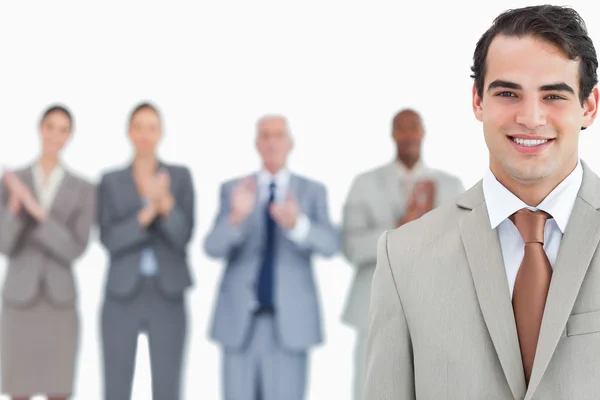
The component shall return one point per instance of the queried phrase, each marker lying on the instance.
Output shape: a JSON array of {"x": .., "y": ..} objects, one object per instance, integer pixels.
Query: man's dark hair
[
  {"x": 141, "y": 107},
  {"x": 57, "y": 108},
  {"x": 561, "y": 26}
]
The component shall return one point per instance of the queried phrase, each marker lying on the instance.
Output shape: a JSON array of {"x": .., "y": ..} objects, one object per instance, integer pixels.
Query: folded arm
[
  {"x": 359, "y": 236},
  {"x": 67, "y": 242},
  {"x": 11, "y": 226}
]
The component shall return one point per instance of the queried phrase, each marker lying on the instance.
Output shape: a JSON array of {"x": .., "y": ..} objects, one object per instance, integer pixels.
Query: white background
[{"x": 338, "y": 69}]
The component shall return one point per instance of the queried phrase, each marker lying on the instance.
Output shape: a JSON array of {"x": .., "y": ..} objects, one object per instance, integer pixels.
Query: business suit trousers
[
  {"x": 263, "y": 369},
  {"x": 164, "y": 321},
  {"x": 360, "y": 367}
]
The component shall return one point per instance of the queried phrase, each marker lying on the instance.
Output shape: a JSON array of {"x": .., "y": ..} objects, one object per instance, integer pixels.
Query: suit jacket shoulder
[
  {"x": 177, "y": 169},
  {"x": 80, "y": 181},
  {"x": 373, "y": 173},
  {"x": 113, "y": 173},
  {"x": 231, "y": 182},
  {"x": 419, "y": 243},
  {"x": 444, "y": 176},
  {"x": 310, "y": 182}
]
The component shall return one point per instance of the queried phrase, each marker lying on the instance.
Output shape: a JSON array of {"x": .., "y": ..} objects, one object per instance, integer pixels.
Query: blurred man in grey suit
[
  {"x": 384, "y": 198},
  {"x": 496, "y": 295},
  {"x": 268, "y": 228}
]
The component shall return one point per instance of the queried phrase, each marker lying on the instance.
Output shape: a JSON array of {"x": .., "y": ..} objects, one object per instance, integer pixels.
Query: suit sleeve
[
  {"x": 389, "y": 356},
  {"x": 118, "y": 235},
  {"x": 11, "y": 226},
  {"x": 177, "y": 227},
  {"x": 322, "y": 237},
  {"x": 358, "y": 233},
  {"x": 224, "y": 236},
  {"x": 67, "y": 242}
]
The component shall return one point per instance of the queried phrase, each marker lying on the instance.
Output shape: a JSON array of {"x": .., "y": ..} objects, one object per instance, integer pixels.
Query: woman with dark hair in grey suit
[
  {"x": 146, "y": 219},
  {"x": 45, "y": 221}
]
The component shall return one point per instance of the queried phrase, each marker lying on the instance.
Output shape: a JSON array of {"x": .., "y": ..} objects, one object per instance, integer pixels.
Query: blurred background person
[
  {"x": 386, "y": 198},
  {"x": 45, "y": 221},
  {"x": 268, "y": 228},
  {"x": 146, "y": 218}
]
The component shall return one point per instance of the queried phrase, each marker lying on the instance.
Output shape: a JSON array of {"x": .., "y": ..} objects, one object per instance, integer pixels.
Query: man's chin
[{"x": 529, "y": 174}]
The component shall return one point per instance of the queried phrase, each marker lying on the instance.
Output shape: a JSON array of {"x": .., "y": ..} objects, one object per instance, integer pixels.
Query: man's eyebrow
[
  {"x": 498, "y": 83},
  {"x": 558, "y": 87}
]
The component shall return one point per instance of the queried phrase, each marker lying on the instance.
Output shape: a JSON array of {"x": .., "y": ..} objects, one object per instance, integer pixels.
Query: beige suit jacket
[
  {"x": 441, "y": 319},
  {"x": 41, "y": 254},
  {"x": 375, "y": 202}
]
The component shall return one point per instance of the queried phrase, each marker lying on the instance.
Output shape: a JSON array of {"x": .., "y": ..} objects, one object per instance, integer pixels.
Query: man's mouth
[
  {"x": 529, "y": 142},
  {"x": 530, "y": 145}
]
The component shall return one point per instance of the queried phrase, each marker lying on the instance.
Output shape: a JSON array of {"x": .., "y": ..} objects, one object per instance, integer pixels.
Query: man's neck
[
  {"x": 273, "y": 170},
  {"x": 410, "y": 164},
  {"x": 532, "y": 193}
]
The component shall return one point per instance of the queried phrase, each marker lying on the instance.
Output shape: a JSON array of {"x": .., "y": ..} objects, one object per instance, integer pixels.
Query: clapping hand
[
  {"x": 21, "y": 196},
  {"x": 286, "y": 213},
  {"x": 243, "y": 199},
  {"x": 421, "y": 201},
  {"x": 157, "y": 189}
]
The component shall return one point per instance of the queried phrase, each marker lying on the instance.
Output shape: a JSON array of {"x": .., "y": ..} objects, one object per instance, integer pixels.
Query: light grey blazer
[
  {"x": 296, "y": 297},
  {"x": 441, "y": 319},
  {"x": 41, "y": 254},
  {"x": 124, "y": 238},
  {"x": 374, "y": 203}
]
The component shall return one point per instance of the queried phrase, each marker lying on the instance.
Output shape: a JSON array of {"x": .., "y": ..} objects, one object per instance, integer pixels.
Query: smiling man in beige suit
[{"x": 497, "y": 296}]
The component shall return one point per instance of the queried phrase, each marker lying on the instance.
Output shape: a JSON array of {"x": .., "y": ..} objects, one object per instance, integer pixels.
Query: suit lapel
[
  {"x": 64, "y": 197},
  {"x": 295, "y": 187},
  {"x": 130, "y": 195},
  {"x": 482, "y": 247},
  {"x": 577, "y": 248},
  {"x": 27, "y": 177}
]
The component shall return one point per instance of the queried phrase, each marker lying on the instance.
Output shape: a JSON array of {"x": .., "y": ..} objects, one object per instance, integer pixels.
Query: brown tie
[{"x": 531, "y": 284}]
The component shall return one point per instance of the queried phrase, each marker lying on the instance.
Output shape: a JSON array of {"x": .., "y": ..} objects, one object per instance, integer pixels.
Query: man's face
[
  {"x": 530, "y": 109},
  {"x": 273, "y": 142},
  {"x": 408, "y": 134}
]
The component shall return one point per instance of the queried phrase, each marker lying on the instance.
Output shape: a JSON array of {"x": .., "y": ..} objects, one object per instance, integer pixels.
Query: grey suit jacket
[
  {"x": 375, "y": 202},
  {"x": 296, "y": 296},
  {"x": 441, "y": 319},
  {"x": 124, "y": 238},
  {"x": 41, "y": 254}
]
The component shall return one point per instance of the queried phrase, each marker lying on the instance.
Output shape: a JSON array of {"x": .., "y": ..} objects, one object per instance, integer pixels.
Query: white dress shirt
[
  {"x": 501, "y": 204},
  {"x": 282, "y": 179},
  {"x": 410, "y": 177},
  {"x": 47, "y": 187}
]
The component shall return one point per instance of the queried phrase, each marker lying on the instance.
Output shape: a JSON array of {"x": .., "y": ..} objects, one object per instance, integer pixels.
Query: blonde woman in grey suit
[{"x": 45, "y": 220}]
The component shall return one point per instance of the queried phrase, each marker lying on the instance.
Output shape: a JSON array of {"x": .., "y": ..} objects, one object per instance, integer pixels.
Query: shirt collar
[
  {"x": 418, "y": 170},
  {"x": 55, "y": 176},
  {"x": 502, "y": 203},
  {"x": 281, "y": 178}
]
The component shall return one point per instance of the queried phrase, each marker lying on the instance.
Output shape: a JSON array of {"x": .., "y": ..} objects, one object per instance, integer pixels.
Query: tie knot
[
  {"x": 530, "y": 224},
  {"x": 272, "y": 187}
]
